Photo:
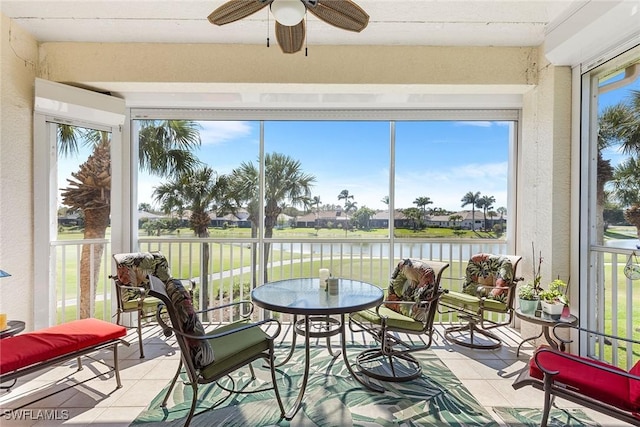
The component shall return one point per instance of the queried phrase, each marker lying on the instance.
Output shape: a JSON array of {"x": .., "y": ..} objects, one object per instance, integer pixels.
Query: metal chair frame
[
  {"x": 394, "y": 354},
  {"x": 145, "y": 308},
  {"x": 552, "y": 388},
  {"x": 158, "y": 290},
  {"x": 476, "y": 321}
]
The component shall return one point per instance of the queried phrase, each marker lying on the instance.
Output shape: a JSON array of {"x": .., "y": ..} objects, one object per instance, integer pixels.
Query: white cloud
[
  {"x": 446, "y": 188},
  {"x": 213, "y": 132},
  {"x": 482, "y": 124}
]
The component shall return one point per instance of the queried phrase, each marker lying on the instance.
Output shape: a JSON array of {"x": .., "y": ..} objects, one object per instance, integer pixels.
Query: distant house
[
  {"x": 71, "y": 220},
  {"x": 238, "y": 219},
  {"x": 470, "y": 220},
  {"x": 323, "y": 219}
]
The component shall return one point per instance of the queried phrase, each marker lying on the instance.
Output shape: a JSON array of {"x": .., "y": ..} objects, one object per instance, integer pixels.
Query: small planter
[
  {"x": 554, "y": 310},
  {"x": 528, "y": 306}
]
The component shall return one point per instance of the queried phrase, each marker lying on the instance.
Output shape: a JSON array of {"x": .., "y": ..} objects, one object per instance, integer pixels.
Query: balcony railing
[
  {"x": 230, "y": 273},
  {"x": 234, "y": 268}
]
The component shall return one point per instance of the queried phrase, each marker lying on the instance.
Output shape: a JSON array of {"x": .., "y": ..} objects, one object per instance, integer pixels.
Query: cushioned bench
[
  {"x": 588, "y": 382},
  {"x": 32, "y": 351}
]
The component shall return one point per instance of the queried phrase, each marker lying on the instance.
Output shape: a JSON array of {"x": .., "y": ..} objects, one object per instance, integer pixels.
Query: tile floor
[{"x": 487, "y": 374}]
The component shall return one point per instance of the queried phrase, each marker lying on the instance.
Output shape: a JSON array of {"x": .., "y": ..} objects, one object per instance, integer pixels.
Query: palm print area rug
[
  {"x": 528, "y": 417},
  {"x": 332, "y": 398}
]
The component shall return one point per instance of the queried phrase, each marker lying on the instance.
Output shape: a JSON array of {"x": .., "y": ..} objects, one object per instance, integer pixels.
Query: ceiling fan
[{"x": 289, "y": 14}]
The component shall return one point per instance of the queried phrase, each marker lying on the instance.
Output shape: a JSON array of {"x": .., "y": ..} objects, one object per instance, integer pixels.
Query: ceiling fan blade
[
  {"x": 343, "y": 14},
  {"x": 234, "y": 10},
  {"x": 290, "y": 39}
]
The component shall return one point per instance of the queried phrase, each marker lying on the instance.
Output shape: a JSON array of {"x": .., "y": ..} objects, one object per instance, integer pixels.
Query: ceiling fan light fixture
[{"x": 288, "y": 12}]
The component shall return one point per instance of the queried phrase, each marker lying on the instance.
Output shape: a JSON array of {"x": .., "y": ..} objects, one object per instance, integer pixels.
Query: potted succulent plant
[
  {"x": 528, "y": 298},
  {"x": 554, "y": 299},
  {"x": 528, "y": 293}
]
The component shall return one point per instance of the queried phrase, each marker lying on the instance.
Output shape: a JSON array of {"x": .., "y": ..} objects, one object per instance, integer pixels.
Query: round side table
[
  {"x": 13, "y": 327},
  {"x": 546, "y": 322}
]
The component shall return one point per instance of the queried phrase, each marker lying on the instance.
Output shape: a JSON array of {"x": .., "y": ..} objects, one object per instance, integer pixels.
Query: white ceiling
[
  {"x": 567, "y": 29},
  {"x": 392, "y": 22}
]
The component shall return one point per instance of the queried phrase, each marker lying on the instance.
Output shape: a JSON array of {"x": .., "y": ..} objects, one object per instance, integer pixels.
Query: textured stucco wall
[
  {"x": 99, "y": 62},
  {"x": 544, "y": 187},
  {"x": 18, "y": 59}
]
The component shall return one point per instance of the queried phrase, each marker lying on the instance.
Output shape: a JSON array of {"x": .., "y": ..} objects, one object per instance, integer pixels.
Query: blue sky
[
  {"x": 610, "y": 98},
  {"x": 439, "y": 160}
]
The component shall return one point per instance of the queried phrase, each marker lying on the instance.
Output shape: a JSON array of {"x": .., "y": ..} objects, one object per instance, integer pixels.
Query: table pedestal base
[{"x": 319, "y": 327}]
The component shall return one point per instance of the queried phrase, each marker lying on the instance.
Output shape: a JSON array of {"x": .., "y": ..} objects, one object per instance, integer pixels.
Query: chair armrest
[
  {"x": 167, "y": 330},
  {"x": 214, "y": 335},
  {"x": 435, "y": 297},
  {"x": 118, "y": 284},
  {"x": 589, "y": 331},
  {"x": 140, "y": 289},
  {"x": 580, "y": 360}
]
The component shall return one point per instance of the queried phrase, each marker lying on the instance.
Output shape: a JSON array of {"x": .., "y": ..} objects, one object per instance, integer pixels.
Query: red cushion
[
  {"x": 29, "y": 348},
  {"x": 634, "y": 386},
  {"x": 596, "y": 383}
]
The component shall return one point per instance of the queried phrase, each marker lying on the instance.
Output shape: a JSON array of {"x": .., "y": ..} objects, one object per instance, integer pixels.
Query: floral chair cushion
[
  {"x": 200, "y": 350},
  {"x": 489, "y": 276},
  {"x": 133, "y": 269},
  {"x": 412, "y": 280}
]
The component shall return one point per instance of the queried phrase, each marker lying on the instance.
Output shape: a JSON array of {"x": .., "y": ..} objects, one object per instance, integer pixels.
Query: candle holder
[{"x": 324, "y": 275}]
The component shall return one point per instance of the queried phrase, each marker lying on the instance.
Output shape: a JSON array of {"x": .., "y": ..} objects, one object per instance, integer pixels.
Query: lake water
[{"x": 445, "y": 251}]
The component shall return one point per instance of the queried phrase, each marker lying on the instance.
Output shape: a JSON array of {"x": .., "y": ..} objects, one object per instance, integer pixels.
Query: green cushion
[
  {"x": 395, "y": 320},
  {"x": 471, "y": 303},
  {"x": 148, "y": 302},
  {"x": 234, "y": 348}
]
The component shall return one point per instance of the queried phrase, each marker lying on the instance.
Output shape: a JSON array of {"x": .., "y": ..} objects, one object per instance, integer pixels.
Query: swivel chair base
[
  {"x": 392, "y": 367},
  {"x": 491, "y": 343}
]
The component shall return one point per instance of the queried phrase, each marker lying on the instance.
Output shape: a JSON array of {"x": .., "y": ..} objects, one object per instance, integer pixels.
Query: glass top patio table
[{"x": 305, "y": 296}]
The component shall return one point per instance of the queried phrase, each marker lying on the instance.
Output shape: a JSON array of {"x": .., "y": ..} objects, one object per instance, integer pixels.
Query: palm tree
[
  {"x": 414, "y": 214},
  {"x": 626, "y": 187},
  {"x": 145, "y": 207},
  {"x": 348, "y": 205},
  {"x": 362, "y": 217},
  {"x": 618, "y": 125},
  {"x": 315, "y": 201},
  {"x": 193, "y": 190},
  {"x": 472, "y": 199},
  {"x": 422, "y": 203},
  {"x": 455, "y": 218},
  {"x": 167, "y": 146},
  {"x": 486, "y": 203},
  {"x": 285, "y": 184},
  {"x": 344, "y": 195},
  {"x": 502, "y": 211}
]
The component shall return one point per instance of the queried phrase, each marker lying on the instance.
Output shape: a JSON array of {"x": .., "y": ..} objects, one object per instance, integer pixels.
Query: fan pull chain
[
  {"x": 268, "y": 27},
  {"x": 306, "y": 24}
]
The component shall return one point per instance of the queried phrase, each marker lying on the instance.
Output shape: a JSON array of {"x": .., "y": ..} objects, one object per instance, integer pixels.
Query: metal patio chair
[{"x": 409, "y": 307}]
